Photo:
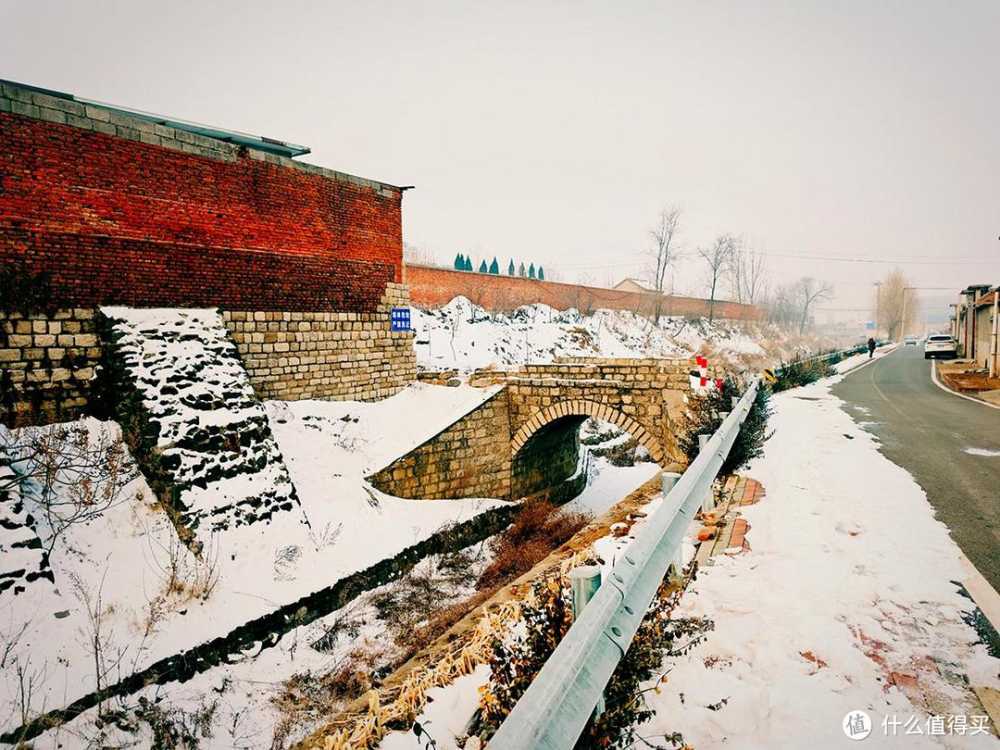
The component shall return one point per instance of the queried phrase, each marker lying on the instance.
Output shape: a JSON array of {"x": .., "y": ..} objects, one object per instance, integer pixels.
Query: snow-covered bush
[
  {"x": 68, "y": 473},
  {"x": 704, "y": 416},
  {"x": 795, "y": 374}
]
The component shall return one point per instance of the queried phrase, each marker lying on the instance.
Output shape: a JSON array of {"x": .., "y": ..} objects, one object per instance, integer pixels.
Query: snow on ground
[
  {"x": 242, "y": 695},
  {"x": 857, "y": 360},
  {"x": 463, "y": 336},
  {"x": 850, "y": 577},
  {"x": 125, "y": 556},
  {"x": 609, "y": 484},
  {"x": 210, "y": 429},
  {"x": 370, "y": 435}
]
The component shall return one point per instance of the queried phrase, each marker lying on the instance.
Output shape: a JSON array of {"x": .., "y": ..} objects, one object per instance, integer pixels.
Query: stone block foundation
[
  {"x": 325, "y": 355},
  {"x": 48, "y": 363}
]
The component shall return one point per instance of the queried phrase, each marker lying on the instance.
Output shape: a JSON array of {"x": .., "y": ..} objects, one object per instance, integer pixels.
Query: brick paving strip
[{"x": 731, "y": 529}]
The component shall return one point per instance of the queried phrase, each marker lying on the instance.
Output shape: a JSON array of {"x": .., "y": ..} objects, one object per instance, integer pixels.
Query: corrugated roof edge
[{"x": 75, "y": 111}]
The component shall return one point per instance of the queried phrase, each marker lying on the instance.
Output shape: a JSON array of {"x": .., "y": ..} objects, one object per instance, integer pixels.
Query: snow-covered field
[
  {"x": 113, "y": 572},
  {"x": 465, "y": 337},
  {"x": 850, "y": 579}
]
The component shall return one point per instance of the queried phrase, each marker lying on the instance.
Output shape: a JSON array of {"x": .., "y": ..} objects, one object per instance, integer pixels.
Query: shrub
[
  {"x": 749, "y": 443},
  {"x": 659, "y": 637},
  {"x": 546, "y": 616},
  {"x": 703, "y": 417},
  {"x": 796, "y": 373},
  {"x": 517, "y": 659},
  {"x": 538, "y": 529}
]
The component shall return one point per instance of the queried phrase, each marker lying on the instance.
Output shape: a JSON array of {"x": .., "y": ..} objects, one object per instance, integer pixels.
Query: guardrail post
[
  {"x": 669, "y": 479},
  {"x": 709, "y": 502},
  {"x": 584, "y": 581}
]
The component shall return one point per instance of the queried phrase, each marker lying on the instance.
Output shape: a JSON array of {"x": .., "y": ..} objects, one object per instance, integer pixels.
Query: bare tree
[
  {"x": 748, "y": 274},
  {"x": 808, "y": 292},
  {"x": 781, "y": 306},
  {"x": 718, "y": 257},
  {"x": 70, "y": 475},
  {"x": 893, "y": 303},
  {"x": 418, "y": 255},
  {"x": 664, "y": 250}
]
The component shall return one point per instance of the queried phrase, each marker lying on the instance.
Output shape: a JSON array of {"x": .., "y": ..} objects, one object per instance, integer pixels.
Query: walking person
[{"x": 871, "y": 347}]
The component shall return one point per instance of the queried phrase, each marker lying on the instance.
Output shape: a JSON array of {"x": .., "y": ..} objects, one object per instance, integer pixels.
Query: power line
[
  {"x": 902, "y": 261},
  {"x": 822, "y": 258}
]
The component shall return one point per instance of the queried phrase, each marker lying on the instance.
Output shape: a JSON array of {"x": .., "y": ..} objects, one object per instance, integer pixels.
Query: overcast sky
[{"x": 555, "y": 132}]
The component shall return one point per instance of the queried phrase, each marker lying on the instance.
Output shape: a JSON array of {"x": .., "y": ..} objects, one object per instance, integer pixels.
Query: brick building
[{"x": 113, "y": 206}]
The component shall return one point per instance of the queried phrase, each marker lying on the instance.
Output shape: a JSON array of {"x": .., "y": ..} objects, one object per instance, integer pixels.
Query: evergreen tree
[
  {"x": 468, "y": 263},
  {"x": 541, "y": 274},
  {"x": 494, "y": 266},
  {"x": 459, "y": 262},
  {"x": 510, "y": 268},
  {"x": 531, "y": 271},
  {"x": 482, "y": 267},
  {"x": 520, "y": 270}
]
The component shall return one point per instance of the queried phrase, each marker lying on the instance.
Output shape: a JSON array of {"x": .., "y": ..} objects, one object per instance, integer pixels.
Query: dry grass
[{"x": 538, "y": 529}]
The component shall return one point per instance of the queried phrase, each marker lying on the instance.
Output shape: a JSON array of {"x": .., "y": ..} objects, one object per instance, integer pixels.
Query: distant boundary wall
[{"x": 433, "y": 287}]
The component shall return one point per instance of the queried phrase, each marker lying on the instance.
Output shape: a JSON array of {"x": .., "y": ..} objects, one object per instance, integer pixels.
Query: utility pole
[
  {"x": 902, "y": 322},
  {"x": 996, "y": 330},
  {"x": 878, "y": 308}
]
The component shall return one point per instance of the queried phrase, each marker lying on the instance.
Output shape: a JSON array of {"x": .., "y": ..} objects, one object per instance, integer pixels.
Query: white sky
[{"x": 555, "y": 132}]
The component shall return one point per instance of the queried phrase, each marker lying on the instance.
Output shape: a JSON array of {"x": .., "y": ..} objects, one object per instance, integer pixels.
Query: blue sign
[
  {"x": 870, "y": 325},
  {"x": 400, "y": 319}
]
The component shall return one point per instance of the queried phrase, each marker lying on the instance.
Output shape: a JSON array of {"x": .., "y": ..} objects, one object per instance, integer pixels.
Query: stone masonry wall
[
  {"x": 471, "y": 458},
  {"x": 338, "y": 355},
  {"x": 548, "y": 458},
  {"x": 47, "y": 365}
]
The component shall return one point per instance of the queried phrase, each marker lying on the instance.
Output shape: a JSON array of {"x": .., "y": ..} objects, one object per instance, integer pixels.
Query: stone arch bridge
[{"x": 525, "y": 437}]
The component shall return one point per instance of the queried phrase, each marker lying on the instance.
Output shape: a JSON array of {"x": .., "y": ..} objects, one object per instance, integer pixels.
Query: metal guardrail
[{"x": 555, "y": 708}]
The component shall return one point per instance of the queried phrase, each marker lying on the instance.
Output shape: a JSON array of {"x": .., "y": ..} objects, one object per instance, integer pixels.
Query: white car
[
  {"x": 940, "y": 345},
  {"x": 911, "y": 341}
]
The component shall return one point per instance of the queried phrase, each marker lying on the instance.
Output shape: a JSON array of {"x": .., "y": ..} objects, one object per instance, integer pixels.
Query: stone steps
[{"x": 205, "y": 441}]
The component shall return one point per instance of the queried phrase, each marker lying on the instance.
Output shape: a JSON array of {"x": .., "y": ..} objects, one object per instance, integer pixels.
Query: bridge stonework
[
  {"x": 641, "y": 396},
  {"x": 525, "y": 438}
]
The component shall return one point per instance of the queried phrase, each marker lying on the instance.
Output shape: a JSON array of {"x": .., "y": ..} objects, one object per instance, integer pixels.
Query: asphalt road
[{"x": 928, "y": 432}]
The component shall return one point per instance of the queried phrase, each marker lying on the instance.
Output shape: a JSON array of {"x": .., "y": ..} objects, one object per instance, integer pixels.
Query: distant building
[
  {"x": 974, "y": 325},
  {"x": 631, "y": 285}
]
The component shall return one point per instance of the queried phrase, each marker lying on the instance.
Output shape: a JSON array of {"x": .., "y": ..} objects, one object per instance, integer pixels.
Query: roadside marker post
[
  {"x": 584, "y": 581},
  {"x": 668, "y": 479},
  {"x": 709, "y": 502}
]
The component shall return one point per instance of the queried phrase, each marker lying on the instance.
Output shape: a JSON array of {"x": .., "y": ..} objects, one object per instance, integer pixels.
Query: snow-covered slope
[
  {"x": 465, "y": 337},
  {"x": 212, "y": 437}
]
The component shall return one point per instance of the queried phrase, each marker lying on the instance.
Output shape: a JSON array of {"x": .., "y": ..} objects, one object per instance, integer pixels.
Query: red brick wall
[
  {"x": 433, "y": 287},
  {"x": 116, "y": 220}
]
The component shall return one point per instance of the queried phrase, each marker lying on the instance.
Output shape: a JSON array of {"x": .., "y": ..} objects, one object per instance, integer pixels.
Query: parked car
[
  {"x": 911, "y": 341},
  {"x": 940, "y": 345}
]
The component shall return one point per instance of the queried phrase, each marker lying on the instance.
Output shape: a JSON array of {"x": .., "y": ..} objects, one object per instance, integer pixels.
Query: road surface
[{"x": 950, "y": 445}]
